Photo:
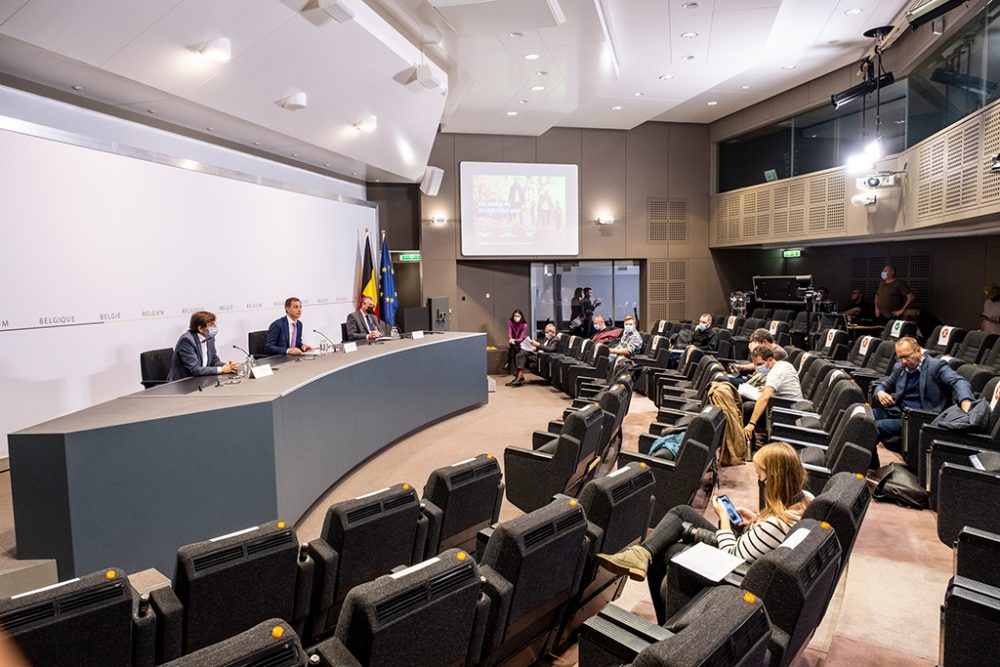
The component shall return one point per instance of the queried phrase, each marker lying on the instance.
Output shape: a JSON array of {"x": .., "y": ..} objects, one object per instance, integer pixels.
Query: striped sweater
[{"x": 757, "y": 540}]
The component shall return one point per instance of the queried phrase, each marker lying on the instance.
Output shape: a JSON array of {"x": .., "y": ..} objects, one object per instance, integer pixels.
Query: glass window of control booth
[{"x": 615, "y": 285}]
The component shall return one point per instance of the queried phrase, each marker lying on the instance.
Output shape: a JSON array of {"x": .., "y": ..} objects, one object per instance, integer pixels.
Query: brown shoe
[{"x": 633, "y": 561}]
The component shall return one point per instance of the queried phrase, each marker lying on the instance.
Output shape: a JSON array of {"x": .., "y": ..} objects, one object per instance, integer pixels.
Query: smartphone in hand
[{"x": 734, "y": 516}]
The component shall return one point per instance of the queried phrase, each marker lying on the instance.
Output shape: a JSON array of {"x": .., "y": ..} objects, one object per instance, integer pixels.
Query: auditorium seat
[
  {"x": 272, "y": 643},
  {"x": 862, "y": 350},
  {"x": 154, "y": 366},
  {"x": 799, "y": 330},
  {"x": 795, "y": 585},
  {"x": 458, "y": 501},
  {"x": 779, "y": 330},
  {"x": 816, "y": 384},
  {"x": 972, "y": 349},
  {"x": 800, "y": 425},
  {"x": 596, "y": 366},
  {"x": 832, "y": 344},
  {"x": 614, "y": 401},
  {"x": 617, "y": 507},
  {"x": 257, "y": 344},
  {"x": 944, "y": 339},
  {"x": 532, "y": 567},
  {"x": 896, "y": 329},
  {"x": 841, "y": 457},
  {"x": 977, "y": 555},
  {"x": 230, "y": 583},
  {"x": 970, "y": 624},
  {"x": 728, "y": 628},
  {"x": 741, "y": 340},
  {"x": 968, "y": 497},
  {"x": 545, "y": 360},
  {"x": 432, "y": 613},
  {"x": 93, "y": 621},
  {"x": 843, "y": 503},
  {"x": 980, "y": 374},
  {"x": 879, "y": 364},
  {"x": 686, "y": 367},
  {"x": 762, "y": 313},
  {"x": 854, "y": 424},
  {"x": 556, "y": 462},
  {"x": 362, "y": 538}
]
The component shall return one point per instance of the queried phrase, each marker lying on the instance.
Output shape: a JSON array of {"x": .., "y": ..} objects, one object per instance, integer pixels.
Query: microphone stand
[
  {"x": 333, "y": 345},
  {"x": 248, "y": 362}
]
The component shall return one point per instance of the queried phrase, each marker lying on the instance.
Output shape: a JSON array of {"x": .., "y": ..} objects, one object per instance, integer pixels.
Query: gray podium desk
[{"x": 127, "y": 482}]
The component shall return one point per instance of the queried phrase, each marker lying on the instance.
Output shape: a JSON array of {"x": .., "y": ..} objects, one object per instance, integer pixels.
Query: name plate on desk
[
  {"x": 417, "y": 335},
  {"x": 350, "y": 347},
  {"x": 261, "y": 371}
]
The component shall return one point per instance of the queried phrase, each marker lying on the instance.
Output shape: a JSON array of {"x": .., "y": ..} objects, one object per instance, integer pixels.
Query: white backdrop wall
[{"x": 104, "y": 256}]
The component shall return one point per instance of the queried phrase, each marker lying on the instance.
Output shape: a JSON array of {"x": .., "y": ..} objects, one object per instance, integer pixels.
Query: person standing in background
[
  {"x": 991, "y": 309},
  {"x": 893, "y": 296},
  {"x": 576, "y": 312},
  {"x": 517, "y": 331}
]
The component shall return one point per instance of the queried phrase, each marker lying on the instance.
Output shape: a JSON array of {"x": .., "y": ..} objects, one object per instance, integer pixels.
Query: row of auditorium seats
[{"x": 970, "y": 614}]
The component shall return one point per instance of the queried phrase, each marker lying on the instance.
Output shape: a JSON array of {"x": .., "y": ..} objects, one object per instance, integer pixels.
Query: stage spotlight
[{"x": 860, "y": 90}]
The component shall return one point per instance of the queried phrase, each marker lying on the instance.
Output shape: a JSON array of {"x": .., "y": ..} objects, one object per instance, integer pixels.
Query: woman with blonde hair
[{"x": 779, "y": 468}]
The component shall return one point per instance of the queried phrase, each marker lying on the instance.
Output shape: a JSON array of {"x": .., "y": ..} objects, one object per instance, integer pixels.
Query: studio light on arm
[{"x": 930, "y": 10}]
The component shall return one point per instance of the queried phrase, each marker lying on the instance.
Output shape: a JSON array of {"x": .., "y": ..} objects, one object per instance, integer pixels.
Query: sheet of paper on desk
[
  {"x": 748, "y": 391},
  {"x": 709, "y": 562}
]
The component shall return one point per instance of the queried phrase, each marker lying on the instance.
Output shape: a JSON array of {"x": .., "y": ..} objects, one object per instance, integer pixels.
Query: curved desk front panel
[{"x": 125, "y": 483}]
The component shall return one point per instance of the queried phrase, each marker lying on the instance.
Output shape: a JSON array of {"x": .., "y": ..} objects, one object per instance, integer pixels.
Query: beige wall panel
[
  {"x": 441, "y": 242},
  {"x": 439, "y": 279},
  {"x": 602, "y": 192},
  {"x": 646, "y": 176},
  {"x": 517, "y": 149}
]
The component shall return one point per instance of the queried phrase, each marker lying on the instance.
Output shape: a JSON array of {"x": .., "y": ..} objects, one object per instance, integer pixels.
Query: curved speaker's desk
[{"x": 127, "y": 482}]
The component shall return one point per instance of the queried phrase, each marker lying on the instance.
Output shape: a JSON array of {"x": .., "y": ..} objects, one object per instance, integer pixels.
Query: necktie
[
  {"x": 291, "y": 334},
  {"x": 371, "y": 322}
]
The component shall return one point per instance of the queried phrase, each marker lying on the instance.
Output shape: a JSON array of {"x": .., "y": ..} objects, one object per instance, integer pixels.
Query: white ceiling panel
[{"x": 8, "y": 7}]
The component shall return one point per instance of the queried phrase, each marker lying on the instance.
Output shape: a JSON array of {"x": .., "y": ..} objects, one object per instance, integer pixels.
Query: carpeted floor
[{"x": 885, "y": 612}]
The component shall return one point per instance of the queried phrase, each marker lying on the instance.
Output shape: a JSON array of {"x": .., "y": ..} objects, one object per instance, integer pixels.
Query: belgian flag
[{"x": 368, "y": 285}]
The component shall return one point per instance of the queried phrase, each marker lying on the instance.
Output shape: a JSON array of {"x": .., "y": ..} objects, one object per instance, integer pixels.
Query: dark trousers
[
  {"x": 664, "y": 543},
  {"x": 512, "y": 351},
  {"x": 521, "y": 359}
]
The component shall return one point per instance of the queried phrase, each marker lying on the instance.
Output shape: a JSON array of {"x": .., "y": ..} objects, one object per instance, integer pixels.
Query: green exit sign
[
  {"x": 409, "y": 257},
  {"x": 791, "y": 253}
]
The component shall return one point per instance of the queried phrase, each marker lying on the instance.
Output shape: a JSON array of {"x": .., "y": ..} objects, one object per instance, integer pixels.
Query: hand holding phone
[{"x": 734, "y": 516}]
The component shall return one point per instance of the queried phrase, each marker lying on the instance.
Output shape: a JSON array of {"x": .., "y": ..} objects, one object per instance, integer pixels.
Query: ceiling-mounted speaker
[
  {"x": 431, "y": 182},
  {"x": 338, "y": 10}
]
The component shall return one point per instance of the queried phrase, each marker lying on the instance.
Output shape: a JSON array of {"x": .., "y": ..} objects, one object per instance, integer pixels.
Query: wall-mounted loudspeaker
[{"x": 431, "y": 182}]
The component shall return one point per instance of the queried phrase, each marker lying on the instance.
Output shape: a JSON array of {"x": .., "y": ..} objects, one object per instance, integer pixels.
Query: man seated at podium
[
  {"x": 363, "y": 324},
  {"x": 194, "y": 353},
  {"x": 284, "y": 336}
]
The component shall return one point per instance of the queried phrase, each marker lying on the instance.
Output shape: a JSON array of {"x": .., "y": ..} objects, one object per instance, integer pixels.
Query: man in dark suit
[
  {"x": 284, "y": 336},
  {"x": 362, "y": 324},
  {"x": 917, "y": 381},
  {"x": 194, "y": 353}
]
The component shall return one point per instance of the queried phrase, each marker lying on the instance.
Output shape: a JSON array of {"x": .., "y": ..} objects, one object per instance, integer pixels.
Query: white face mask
[
  {"x": 629, "y": 328},
  {"x": 517, "y": 318},
  {"x": 885, "y": 275},
  {"x": 548, "y": 334}
]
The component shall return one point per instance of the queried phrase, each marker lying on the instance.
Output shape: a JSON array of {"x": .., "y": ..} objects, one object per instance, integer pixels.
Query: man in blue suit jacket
[
  {"x": 280, "y": 336},
  {"x": 195, "y": 353},
  {"x": 917, "y": 381}
]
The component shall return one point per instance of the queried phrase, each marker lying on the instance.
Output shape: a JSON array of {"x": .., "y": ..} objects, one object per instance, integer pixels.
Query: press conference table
[{"x": 127, "y": 482}]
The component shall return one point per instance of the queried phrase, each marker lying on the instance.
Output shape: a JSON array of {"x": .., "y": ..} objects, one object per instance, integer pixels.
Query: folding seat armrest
[
  {"x": 672, "y": 416},
  {"x": 433, "y": 518},
  {"x": 784, "y": 403},
  {"x": 844, "y": 365},
  {"x": 333, "y": 653},
  {"x": 679, "y": 404},
  {"x": 793, "y": 413},
  {"x": 326, "y": 562},
  {"x": 482, "y": 539},
  {"x": 542, "y": 438},
  {"x": 840, "y": 352},
  {"x": 914, "y": 420},
  {"x": 785, "y": 432},
  {"x": 304, "y": 586},
  {"x": 652, "y": 461},
  {"x": 646, "y": 441},
  {"x": 973, "y": 548},
  {"x": 499, "y": 591},
  {"x": 816, "y": 471},
  {"x": 556, "y": 425},
  {"x": 784, "y": 417},
  {"x": 169, "y": 624}
]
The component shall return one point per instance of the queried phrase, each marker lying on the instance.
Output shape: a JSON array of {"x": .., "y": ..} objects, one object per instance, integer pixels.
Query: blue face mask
[
  {"x": 762, "y": 369},
  {"x": 885, "y": 276},
  {"x": 548, "y": 334},
  {"x": 701, "y": 326},
  {"x": 213, "y": 332},
  {"x": 629, "y": 328}
]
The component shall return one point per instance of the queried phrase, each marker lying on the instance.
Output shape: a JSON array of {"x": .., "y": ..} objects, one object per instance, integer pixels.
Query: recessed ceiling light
[
  {"x": 616, "y": 108},
  {"x": 665, "y": 77},
  {"x": 256, "y": 143},
  {"x": 712, "y": 103},
  {"x": 219, "y": 49},
  {"x": 524, "y": 102},
  {"x": 788, "y": 67},
  {"x": 354, "y": 173},
  {"x": 531, "y": 56},
  {"x": 689, "y": 5},
  {"x": 511, "y": 113},
  {"x": 295, "y": 154},
  {"x": 638, "y": 93},
  {"x": 326, "y": 164},
  {"x": 899, "y": 122},
  {"x": 77, "y": 87},
  {"x": 689, "y": 35},
  {"x": 541, "y": 73},
  {"x": 150, "y": 110},
  {"x": 687, "y": 57},
  {"x": 853, "y": 11},
  {"x": 744, "y": 87},
  {"x": 536, "y": 89},
  {"x": 210, "y": 129},
  {"x": 517, "y": 34}
]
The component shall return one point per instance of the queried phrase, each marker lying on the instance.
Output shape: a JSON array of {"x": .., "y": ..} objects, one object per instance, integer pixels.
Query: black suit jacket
[
  {"x": 186, "y": 361},
  {"x": 277, "y": 336},
  {"x": 356, "y": 329}
]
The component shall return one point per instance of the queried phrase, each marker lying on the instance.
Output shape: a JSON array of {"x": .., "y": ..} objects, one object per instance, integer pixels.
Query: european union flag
[{"x": 388, "y": 300}]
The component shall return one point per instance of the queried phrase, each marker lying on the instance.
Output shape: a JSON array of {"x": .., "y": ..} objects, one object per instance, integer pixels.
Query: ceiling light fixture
[
  {"x": 744, "y": 87},
  {"x": 338, "y": 10},
  {"x": 541, "y": 72},
  {"x": 531, "y": 56},
  {"x": 524, "y": 101},
  {"x": 665, "y": 77},
  {"x": 788, "y": 68},
  {"x": 536, "y": 89},
  {"x": 602, "y": 18},
  {"x": 219, "y": 49},
  {"x": 511, "y": 113},
  {"x": 689, "y": 5},
  {"x": 616, "y": 108},
  {"x": 853, "y": 11},
  {"x": 712, "y": 103},
  {"x": 930, "y": 10},
  {"x": 367, "y": 124},
  {"x": 294, "y": 101},
  {"x": 689, "y": 35},
  {"x": 687, "y": 57},
  {"x": 638, "y": 93},
  {"x": 516, "y": 35},
  {"x": 77, "y": 88}
]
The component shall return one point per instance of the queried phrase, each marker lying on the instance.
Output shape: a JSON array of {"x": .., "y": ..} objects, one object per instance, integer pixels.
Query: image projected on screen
[{"x": 519, "y": 209}]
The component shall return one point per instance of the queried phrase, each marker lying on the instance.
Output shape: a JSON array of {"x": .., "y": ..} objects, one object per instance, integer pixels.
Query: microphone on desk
[
  {"x": 332, "y": 344},
  {"x": 249, "y": 362}
]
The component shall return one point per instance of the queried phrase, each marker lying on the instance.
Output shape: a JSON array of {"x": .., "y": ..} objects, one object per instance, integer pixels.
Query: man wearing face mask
[
  {"x": 916, "y": 381},
  {"x": 363, "y": 324},
  {"x": 602, "y": 332},
  {"x": 704, "y": 336},
  {"x": 893, "y": 296},
  {"x": 194, "y": 354},
  {"x": 630, "y": 342},
  {"x": 781, "y": 380},
  {"x": 545, "y": 346},
  {"x": 991, "y": 309}
]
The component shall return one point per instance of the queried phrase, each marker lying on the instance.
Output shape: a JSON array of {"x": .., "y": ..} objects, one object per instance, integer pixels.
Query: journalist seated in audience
[
  {"x": 630, "y": 342},
  {"x": 780, "y": 379},
  {"x": 757, "y": 338},
  {"x": 537, "y": 347},
  {"x": 602, "y": 332},
  {"x": 702, "y": 335},
  {"x": 918, "y": 380},
  {"x": 778, "y": 466}
]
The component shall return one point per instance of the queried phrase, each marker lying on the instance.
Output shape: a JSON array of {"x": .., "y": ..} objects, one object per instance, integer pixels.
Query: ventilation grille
[
  {"x": 402, "y": 500},
  {"x": 991, "y": 146},
  {"x": 569, "y": 521},
  {"x": 667, "y": 220},
  {"x": 398, "y": 605},
  {"x": 91, "y": 596},
  {"x": 450, "y": 581},
  {"x": 622, "y": 491},
  {"x": 270, "y": 542},
  {"x": 27, "y": 616},
  {"x": 216, "y": 558},
  {"x": 539, "y": 535},
  {"x": 364, "y": 512},
  {"x": 950, "y": 167},
  {"x": 282, "y": 655},
  {"x": 668, "y": 284},
  {"x": 488, "y": 468},
  {"x": 460, "y": 478}
]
